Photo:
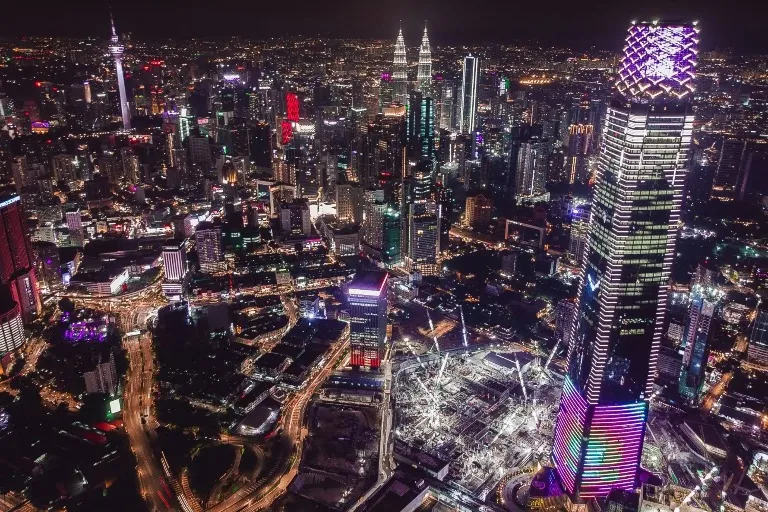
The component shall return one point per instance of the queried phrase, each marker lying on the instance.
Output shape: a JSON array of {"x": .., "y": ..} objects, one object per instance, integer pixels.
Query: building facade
[
  {"x": 367, "y": 296},
  {"x": 615, "y": 339}
]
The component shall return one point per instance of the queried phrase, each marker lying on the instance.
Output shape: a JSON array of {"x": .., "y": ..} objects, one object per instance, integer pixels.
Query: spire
[
  {"x": 112, "y": 23},
  {"x": 424, "y": 72},
  {"x": 400, "y": 69}
]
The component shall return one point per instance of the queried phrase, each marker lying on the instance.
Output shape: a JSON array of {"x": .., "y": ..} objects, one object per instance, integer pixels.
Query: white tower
[
  {"x": 424, "y": 76},
  {"x": 400, "y": 71},
  {"x": 116, "y": 49}
]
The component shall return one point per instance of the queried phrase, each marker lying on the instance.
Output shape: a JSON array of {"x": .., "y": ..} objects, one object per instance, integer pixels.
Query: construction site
[{"x": 470, "y": 417}]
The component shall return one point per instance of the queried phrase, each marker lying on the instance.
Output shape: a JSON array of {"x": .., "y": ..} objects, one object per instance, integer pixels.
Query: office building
[
  {"x": 696, "y": 343},
  {"x": 447, "y": 105},
  {"x": 733, "y": 157},
  {"x": 208, "y": 243},
  {"x": 421, "y": 127},
  {"x": 373, "y": 230},
  {"x": 424, "y": 71},
  {"x": 468, "y": 105},
  {"x": 116, "y": 48},
  {"x": 367, "y": 296},
  {"x": 565, "y": 313},
  {"x": 580, "y": 142},
  {"x": 400, "y": 71},
  {"x": 295, "y": 219},
  {"x": 175, "y": 261},
  {"x": 532, "y": 166},
  {"x": 757, "y": 351},
  {"x": 478, "y": 210},
  {"x": 349, "y": 203},
  {"x": 74, "y": 218},
  {"x": 391, "y": 239},
  {"x": 622, "y": 298}
]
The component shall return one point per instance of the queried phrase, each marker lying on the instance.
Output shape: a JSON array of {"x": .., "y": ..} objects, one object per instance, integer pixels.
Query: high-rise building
[
  {"x": 374, "y": 206},
  {"x": 74, "y": 219},
  {"x": 696, "y": 343},
  {"x": 102, "y": 377},
  {"x": 622, "y": 298},
  {"x": 367, "y": 296},
  {"x": 20, "y": 171},
  {"x": 532, "y": 167},
  {"x": 116, "y": 49},
  {"x": 706, "y": 275},
  {"x": 16, "y": 259},
  {"x": 349, "y": 203},
  {"x": 421, "y": 127},
  {"x": 733, "y": 157},
  {"x": 175, "y": 261},
  {"x": 391, "y": 239},
  {"x": 208, "y": 243},
  {"x": 478, "y": 211},
  {"x": 11, "y": 325},
  {"x": 579, "y": 148},
  {"x": 447, "y": 107},
  {"x": 295, "y": 219},
  {"x": 400, "y": 71},
  {"x": 579, "y": 231},
  {"x": 564, "y": 315},
  {"x": 424, "y": 72},
  {"x": 758, "y": 340},
  {"x": 468, "y": 105}
]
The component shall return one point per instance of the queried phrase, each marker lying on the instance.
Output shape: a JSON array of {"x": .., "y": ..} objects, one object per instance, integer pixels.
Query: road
[
  {"x": 715, "y": 391},
  {"x": 137, "y": 400},
  {"x": 250, "y": 497}
]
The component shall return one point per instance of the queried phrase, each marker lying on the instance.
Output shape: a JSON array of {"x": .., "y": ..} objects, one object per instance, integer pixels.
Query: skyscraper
[
  {"x": 532, "y": 165},
  {"x": 367, "y": 297},
  {"x": 696, "y": 340},
  {"x": 622, "y": 297},
  {"x": 349, "y": 203},
  {"x": 175, "y": 261},
  {"x": 208, "y": 243},
  {"x": 16, "y": 259},
  {"x": 116, "y": 49},
  {"x": 421, "y": 126},
  {"x": 424, "y": 72},
  {"x": 468, "y": 106},
  {"x": 400, "y": 71}
]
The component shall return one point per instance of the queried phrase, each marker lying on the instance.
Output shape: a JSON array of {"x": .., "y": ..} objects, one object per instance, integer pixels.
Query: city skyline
[{"x": 487, "y": 21}]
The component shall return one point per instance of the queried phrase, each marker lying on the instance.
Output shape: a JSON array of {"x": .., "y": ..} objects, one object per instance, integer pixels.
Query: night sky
[{"x": 739, "y": 24}]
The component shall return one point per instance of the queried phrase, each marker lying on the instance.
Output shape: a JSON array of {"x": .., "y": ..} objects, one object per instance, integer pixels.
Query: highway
[{"x": 137, "y": 400}]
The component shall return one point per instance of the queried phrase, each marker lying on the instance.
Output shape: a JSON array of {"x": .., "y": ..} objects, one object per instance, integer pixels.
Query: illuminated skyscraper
[
  {"x": 116, "y": 49},
  {"x": 400, "y": 71},
  {"x": 16, "y": 259},
  {"x": 424, "y": 73},
  {"x": 622, "y": 298},
  {"x": 468, "y": 108},
  {"x": 367, "y": 297},
  {"x": 696, "y": 342}
]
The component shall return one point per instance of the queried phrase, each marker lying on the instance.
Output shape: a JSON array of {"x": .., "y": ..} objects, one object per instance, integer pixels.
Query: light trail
[{"x": 463, "y": 326}]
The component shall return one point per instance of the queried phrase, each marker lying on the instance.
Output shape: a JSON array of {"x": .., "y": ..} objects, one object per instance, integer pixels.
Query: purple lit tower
[
  {"x": 116, "y": 49},
  {"x": 622, "y": 297}
]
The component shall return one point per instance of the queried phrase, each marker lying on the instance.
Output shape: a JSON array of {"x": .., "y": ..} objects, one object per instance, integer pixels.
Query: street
[{"x": 137, "y": 401}]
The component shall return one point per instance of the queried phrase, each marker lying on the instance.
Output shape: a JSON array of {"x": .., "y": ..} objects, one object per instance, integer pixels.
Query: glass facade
[{"x": 622, "y": 297}]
